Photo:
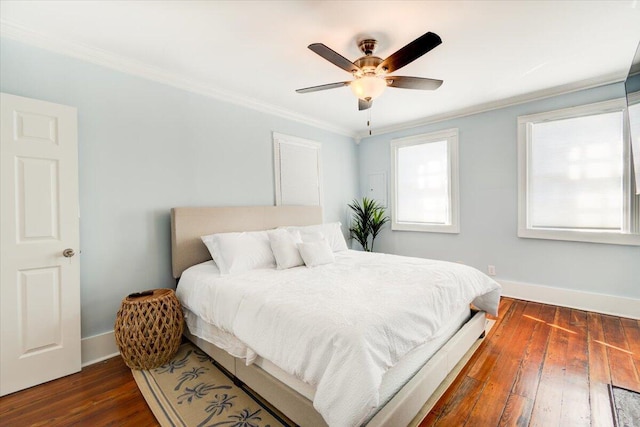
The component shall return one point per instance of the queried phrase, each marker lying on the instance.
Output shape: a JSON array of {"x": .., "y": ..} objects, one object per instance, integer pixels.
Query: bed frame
[{"x": 410, "y": 404}]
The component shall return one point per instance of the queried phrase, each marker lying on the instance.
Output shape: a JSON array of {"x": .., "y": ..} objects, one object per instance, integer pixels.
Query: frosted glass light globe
[{"x": 368, "y": 87}]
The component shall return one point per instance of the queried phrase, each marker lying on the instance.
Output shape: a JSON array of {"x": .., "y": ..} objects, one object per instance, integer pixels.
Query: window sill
[
  {"x": 581, "y": 236},
  {"x": 427, "y": 228}
]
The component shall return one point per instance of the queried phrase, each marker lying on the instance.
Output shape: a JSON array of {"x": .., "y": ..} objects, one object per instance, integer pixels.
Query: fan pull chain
[{"x": 369, "y": 121}]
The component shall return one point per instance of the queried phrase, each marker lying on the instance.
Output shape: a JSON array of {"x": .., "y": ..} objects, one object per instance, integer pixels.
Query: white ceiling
[{"x": 255, "y": 52}]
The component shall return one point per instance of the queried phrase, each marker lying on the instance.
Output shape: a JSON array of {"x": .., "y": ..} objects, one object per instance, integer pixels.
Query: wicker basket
[{"x": 148, "y": 329}]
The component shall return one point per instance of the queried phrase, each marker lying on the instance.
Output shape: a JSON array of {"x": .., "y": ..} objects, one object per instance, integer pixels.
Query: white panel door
[{"x": 40, "y": 276}]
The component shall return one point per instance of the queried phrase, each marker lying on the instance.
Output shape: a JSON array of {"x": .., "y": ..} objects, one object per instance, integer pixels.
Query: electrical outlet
[{"x": 491, "y": 269}]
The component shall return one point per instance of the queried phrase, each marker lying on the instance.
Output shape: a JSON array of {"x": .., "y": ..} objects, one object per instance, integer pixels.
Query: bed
[{"x": 387, "y": 380}]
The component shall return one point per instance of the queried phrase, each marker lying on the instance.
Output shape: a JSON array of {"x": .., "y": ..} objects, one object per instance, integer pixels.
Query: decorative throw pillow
[
  {"x": 239, "y": 252},
  {"x": 331, "y": 231},
  {"x": 316, "y": 253},
  {"x": 285, "y": 249}
]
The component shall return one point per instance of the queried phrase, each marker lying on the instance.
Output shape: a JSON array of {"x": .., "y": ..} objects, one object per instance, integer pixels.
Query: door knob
[{"x": 68, "y": 253}]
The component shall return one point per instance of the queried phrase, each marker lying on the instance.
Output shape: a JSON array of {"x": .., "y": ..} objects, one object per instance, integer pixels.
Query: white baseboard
[
  {"x": 98, "y": 348},
  {"x": 589, "y": 301}
]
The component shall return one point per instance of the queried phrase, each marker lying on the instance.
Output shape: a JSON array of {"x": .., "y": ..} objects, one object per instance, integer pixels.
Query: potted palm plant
[{"x": 368, "y": 219}]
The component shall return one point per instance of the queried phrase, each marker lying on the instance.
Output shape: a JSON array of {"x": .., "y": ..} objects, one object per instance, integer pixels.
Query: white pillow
[
  {"x": 331, "y": 231},
  {"x": 316, "y": 253},
  {"x": 311, "y": 236},
  {"x": 240, "y": 252},
  {"x": 285, "y": 249}
]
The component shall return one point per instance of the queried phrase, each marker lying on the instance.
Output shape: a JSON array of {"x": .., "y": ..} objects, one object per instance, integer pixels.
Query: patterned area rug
[
  {"x": 191, "y": 391},
  {"x": 626, "y": 407}
]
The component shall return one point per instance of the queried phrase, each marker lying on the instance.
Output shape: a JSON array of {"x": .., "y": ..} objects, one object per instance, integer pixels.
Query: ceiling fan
[{"x": 371, "y": 72}]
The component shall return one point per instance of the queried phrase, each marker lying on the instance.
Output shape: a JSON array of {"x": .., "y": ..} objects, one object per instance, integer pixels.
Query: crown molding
[
  {"x": 130, "y": 66},
  {"x": 496, "y": 105}
]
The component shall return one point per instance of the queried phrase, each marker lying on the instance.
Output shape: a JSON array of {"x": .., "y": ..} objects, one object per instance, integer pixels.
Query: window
[
  {"x": 575, "y": 176},
  {"x": 298, "y": 179},
  {"x": 424, "y": 169}
]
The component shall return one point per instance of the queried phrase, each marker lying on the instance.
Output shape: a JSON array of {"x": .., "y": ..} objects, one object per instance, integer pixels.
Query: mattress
[
  {"x": 393, "y": 380},
  {"x": 340, "y": 326}
]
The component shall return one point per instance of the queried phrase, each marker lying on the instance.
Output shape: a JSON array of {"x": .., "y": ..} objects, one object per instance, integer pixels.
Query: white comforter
[{"x": 340, "y": 326}]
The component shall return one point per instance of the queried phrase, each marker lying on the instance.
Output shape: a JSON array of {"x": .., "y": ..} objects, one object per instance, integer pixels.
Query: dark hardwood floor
[
  {"x": 103, "y": 394},
  {"x": 543, "y": 365},
  {"x": 540, "y": 365}
]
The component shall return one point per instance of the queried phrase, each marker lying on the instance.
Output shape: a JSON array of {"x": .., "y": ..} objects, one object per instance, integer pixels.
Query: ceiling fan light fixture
[
  {"x": 368, "y": 87},
  {"x": 371, "y": 73}
]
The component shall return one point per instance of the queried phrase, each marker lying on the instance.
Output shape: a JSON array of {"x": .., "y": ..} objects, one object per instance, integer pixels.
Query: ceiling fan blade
[
  {"x": 322, "y": 87},
  {"x": 413, "y": 82},
  {"x": 364, "y": 105},
  {"x": 334, "y": 57},
  {"x": 410, "y": 52}
]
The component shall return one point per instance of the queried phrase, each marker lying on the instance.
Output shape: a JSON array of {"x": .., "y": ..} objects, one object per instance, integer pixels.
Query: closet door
[{"x": 40, "y": 278}]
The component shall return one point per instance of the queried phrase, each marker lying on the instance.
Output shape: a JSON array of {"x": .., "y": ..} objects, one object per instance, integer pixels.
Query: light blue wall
[
  {"x": 633, "y": 83},
  {"x": 145, "y": 147},
  {"x": 489, "y": 208}
]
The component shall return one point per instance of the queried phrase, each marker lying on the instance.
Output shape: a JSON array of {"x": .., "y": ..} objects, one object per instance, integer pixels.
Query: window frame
[
  {"x": 631, "y": 218},
  {"x": 280, "y": 139},
  {"x": 451, "y": 138}
]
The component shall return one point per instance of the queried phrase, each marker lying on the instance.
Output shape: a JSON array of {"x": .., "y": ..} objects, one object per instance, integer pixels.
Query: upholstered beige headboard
[{"x": 188, "y": 224}]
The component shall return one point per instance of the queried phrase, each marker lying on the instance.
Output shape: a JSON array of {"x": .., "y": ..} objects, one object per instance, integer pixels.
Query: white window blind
[
  {"x": 576, "y": 172},
  {"x": 425, "y": 185},
  {"x": 297, "y": 170}
]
